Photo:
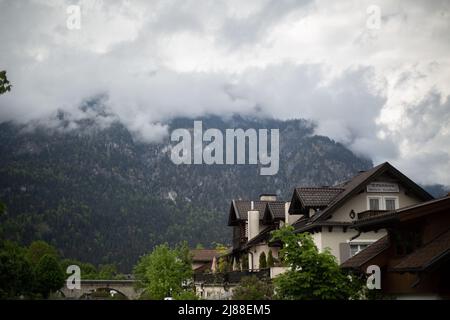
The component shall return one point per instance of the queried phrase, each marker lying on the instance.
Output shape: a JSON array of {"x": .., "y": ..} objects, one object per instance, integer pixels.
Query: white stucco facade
[{"x": 338, "y": 239}]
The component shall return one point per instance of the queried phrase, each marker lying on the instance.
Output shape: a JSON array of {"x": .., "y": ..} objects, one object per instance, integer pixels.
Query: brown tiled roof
[
  {"x": 243, "y": 206},
  {"x": 367, "y": 254},
  {"x": 427, "y": 255},
  {"x": 199, "y": 255},
  {"x": 276, "y": 209},
  {"x": 354, "y": 185},
  {"x": 317, "y": 197}
]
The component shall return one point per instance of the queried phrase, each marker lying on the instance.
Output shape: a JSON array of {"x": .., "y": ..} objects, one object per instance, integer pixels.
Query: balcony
[{"x": 370, "y": 214}]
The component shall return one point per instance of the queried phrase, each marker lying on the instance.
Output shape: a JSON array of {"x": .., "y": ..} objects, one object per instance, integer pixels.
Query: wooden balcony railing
[{"x": 370, "y": 213}]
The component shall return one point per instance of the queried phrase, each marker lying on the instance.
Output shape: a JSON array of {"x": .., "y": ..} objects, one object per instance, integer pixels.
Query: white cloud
[{"x": 384, "y": 92}]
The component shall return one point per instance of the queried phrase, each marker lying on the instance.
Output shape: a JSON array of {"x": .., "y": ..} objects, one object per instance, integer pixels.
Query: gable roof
[
  {"x": 427, "y": 255},
  {"x": 420, "y": 259},
  {"x": 273, "y": 211},
  {"x": 239, "y": 209},
  {"x": 203, "y": 255},
  {"x": 356, "y": 184},
  {"x": 310, "y": 197}
]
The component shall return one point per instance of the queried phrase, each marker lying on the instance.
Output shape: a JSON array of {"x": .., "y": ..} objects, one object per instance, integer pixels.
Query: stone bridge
[{"x": 88, "y": 287}]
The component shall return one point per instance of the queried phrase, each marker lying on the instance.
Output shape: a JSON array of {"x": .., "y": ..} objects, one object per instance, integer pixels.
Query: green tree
[
  {"x": 49, "y": 276},
  {"x": 262, "y": 260},
  {"x": 270, "y": 261},
  {"x": 312, "y": 274},
  {"x": 88, "y": 270},
  {"x": 165, "y": 271},
  {"x": 38, "y": 249},
  {"x": 185, "y": 295},
  {"x": 2, "y": 208},
  {"x": 16, "y": 272},
  {"x": 223, "y": 264},
  {"x": 4, "y": 83},
  {"x": 2, "y": 211},
  {"x": 107, "y": 271},
  {"x": 251, "y": 288}
]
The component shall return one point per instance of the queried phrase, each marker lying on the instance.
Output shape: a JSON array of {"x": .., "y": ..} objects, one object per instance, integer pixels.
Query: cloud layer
[{"x": 383, "y": 92}]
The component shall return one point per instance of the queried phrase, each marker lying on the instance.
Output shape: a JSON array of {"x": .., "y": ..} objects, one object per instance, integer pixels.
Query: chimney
[
  {"x": 253, "y": 222},
  {"x": 286, "y": 213},
  {"x": 268, "y": 197}
]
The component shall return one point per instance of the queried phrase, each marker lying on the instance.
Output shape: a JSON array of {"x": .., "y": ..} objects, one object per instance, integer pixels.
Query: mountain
[
  {"x": 437, "y": 190},
  {"x": 99, "y": 195}
]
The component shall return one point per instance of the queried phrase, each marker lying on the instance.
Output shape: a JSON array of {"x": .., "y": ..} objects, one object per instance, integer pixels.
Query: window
[
  {"x": 374, "y": 204},
  {"x": 382, "y": 203},
  {"x": 355, "y": 248},
  {"x": 390, "y": 203}
]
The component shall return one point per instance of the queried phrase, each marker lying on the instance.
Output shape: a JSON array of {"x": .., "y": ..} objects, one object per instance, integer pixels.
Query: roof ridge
[{"x": 326, "y": 188}]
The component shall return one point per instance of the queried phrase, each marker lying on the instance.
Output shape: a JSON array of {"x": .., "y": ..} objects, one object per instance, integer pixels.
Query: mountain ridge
[{"x": 102, "y": 196}]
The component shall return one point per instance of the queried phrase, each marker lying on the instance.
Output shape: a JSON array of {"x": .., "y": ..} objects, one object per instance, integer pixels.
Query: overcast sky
[{"x": 381, "y": 89}]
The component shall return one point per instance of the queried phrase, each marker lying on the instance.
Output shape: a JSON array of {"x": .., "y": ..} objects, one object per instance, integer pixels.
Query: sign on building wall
[{"x": 382, "y": 187}]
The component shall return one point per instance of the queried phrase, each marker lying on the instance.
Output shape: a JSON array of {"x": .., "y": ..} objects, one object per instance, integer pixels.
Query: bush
[
  {"x": 49, "y": 276},
  {"x": 270, "y": 261},
  {"x": 163, "y": 272},
  {"x": 251, "y": 288},
  {"x": 262, "y": 260}
]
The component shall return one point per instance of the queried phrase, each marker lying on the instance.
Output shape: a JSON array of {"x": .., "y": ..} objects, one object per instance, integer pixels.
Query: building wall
[
  {"x": 256, "y": 252},
  {"x": 292, "y": 218},
  {"x": 337, "y": 240},
  {"x": 317, "y": 238},
  {"x": 358, "y": 203},
  {"x": 214, "y": 291}
]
